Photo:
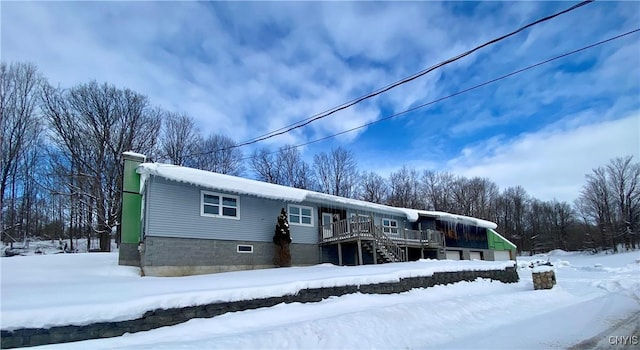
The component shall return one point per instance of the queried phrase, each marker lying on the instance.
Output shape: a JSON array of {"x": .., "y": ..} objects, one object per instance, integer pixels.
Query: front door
[{"x": 327, "y": 231}]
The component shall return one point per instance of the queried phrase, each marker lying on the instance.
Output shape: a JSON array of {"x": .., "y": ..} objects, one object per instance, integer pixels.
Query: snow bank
[
  {"x": 45, "y": 291},
  {"x": 458, "y": 316}
]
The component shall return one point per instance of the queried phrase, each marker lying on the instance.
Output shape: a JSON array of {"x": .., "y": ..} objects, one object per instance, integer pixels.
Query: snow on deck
[{"x": 62, "y": 289}]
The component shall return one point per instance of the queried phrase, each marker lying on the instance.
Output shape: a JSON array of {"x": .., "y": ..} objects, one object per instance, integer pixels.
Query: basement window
[{"x": 244, "y": 248}]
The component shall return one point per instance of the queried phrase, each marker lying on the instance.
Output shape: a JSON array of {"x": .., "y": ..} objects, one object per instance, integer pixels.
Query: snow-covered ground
[{"x": 594, "y": 294}]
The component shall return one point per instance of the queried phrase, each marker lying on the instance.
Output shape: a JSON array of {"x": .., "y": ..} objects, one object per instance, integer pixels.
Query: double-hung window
[
  {"x": 299, "y": 215},
  {"x": 390, "y": 226},
  {"x": 219, "y": 205}
]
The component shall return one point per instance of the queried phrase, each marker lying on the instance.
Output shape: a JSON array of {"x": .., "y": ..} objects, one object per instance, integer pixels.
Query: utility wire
[
  {"x": 459, "y": 92},
  {"x": 415, "y": 76}
]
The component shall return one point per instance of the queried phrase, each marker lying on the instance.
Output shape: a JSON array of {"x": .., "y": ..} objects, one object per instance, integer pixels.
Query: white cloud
[
  {"x": 552, "y": 163},
  {"x": 243, "y": 69}
]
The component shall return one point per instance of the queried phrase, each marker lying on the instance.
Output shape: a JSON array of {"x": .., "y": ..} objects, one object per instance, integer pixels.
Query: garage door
[
  {"x": 501, "y": 255},
  {"x": 453, "y": 255},
  {"x": 475, "y": 255}
]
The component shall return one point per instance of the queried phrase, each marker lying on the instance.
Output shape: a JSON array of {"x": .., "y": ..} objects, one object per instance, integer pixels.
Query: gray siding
[{"x": 173, "y": 210}]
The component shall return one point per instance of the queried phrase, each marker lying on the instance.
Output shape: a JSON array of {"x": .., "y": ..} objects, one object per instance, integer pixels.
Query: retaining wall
[{"x": 168, "y": 317}]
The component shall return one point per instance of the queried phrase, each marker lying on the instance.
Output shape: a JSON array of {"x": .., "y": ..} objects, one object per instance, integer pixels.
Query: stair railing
[{"x": 385, "y": 242}]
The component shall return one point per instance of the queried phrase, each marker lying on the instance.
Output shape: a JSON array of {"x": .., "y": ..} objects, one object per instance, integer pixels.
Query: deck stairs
[{"x": 384, "y": 248}]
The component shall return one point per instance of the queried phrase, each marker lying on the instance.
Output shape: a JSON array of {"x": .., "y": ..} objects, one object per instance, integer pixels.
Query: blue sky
[{"x": 246, "y": 68}]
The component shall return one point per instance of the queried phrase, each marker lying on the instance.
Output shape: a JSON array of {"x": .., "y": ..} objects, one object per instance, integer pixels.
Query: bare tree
[
  {"x": 336, "y": 172},
  {"x": 404, "y": 189},
  {"x": 563, "y": 218},
  {"x": 264, "y": 166},
  {"x": 94, "y": 124},
  {"x": 179, "y": 138},
  {"x": 19, "y": 125},
  {"x": 482, "y": 194},
  {"x": 304, "y": 179},
  {"x": 595, "y": 201},
  {"x": 288, "y": 161},
  {"x": 624, "y": 178},
  {"x": 512, "y": 206},
  {"x": 611, "y": 200},
  {"x": 436, "y": 190},
  {"x": 218, "y": 153},
  {"x": 373, "y": 188}
]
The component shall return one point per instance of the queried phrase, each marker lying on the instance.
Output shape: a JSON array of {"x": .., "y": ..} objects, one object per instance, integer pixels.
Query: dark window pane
[
  {"x": 306, "y": 220},
  {"x": 229, "y": 201},
  {"x": 294, "y": 210},
  {"x": 211, "y": 209},
  {"x": 245, "y": 248},
  {"x": 229, "y": 211},
  {"x": 294, "y": 218},
  {"x": 211, "y": 199},
  {"x": 306, "y": 212}
]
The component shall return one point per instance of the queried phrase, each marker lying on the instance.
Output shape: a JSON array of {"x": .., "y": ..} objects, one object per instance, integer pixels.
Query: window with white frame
[
  {"x": 244, "y": 248},
  {"x": 299, "y": 215},
  {"x": 390, "y": 226},
  {"x": 219, "y": 205}
]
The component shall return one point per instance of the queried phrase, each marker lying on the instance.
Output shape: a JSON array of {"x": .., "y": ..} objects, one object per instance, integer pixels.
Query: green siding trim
[
  {"x": 131, "y": 224},
  {"x": 131, "y": 217},
  {"x": 131, "y": 180},
  {"x": 497, "y": 242}
]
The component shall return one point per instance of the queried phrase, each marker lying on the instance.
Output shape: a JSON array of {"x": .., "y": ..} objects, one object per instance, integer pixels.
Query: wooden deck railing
[
  {"x": 347, "y": 228},
  {"x": 355, "y": 227}
]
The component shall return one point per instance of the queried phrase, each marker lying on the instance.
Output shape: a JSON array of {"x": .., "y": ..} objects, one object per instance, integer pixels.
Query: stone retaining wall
[{"x": 168, "y": 317}]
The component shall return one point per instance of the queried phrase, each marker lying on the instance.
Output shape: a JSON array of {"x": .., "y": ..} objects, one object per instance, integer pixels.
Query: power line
[
  {"x": 460, "y": 92},
  {"x": 346, "y": 105}
]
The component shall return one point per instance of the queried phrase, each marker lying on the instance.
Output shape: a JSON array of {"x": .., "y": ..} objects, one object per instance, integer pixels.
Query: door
[
  {"x": 327, "y": 231},
  {"x": 453, "y": 255},
  {"x": 475, "y": 255},
  {"x": 501, "y": 255}
]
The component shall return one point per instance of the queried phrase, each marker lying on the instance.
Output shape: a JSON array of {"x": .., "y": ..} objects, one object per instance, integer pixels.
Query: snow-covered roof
[
  {"x": 261, "y": 189},
  {"x": 222, "y": 182},
  {"x": 413, "y": 214},
  {"x": 134, "y": 154}
]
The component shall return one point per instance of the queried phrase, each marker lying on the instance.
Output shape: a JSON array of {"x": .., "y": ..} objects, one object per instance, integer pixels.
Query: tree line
[{"x": 61, "y": 172}]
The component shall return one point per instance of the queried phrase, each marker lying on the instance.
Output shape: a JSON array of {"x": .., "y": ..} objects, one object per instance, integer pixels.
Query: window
[
  {"x": 219, "y": 205},
  {"x": 299, "y": 215},
  {"x": 390, "y": 226},
  {"x": 244, "y": 248}
]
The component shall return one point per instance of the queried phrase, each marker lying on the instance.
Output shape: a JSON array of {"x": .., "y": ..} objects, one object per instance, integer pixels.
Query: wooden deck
[{"x": 348, "y": 231}]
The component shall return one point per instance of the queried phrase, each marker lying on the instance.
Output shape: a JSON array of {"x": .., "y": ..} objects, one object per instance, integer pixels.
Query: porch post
[
  {"x": 375, "y": 252},
  {"x": 421, "y": 240},
  {"x": 360, "y": 252},
  {"x": 339, "y": 254}
]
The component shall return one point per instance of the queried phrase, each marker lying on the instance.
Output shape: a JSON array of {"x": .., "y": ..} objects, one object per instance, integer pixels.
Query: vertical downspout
[{"x": 131, "y": 210}]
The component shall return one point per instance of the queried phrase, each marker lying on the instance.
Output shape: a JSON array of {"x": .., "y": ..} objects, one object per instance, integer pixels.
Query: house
[{"x": 182, "y": 221}]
